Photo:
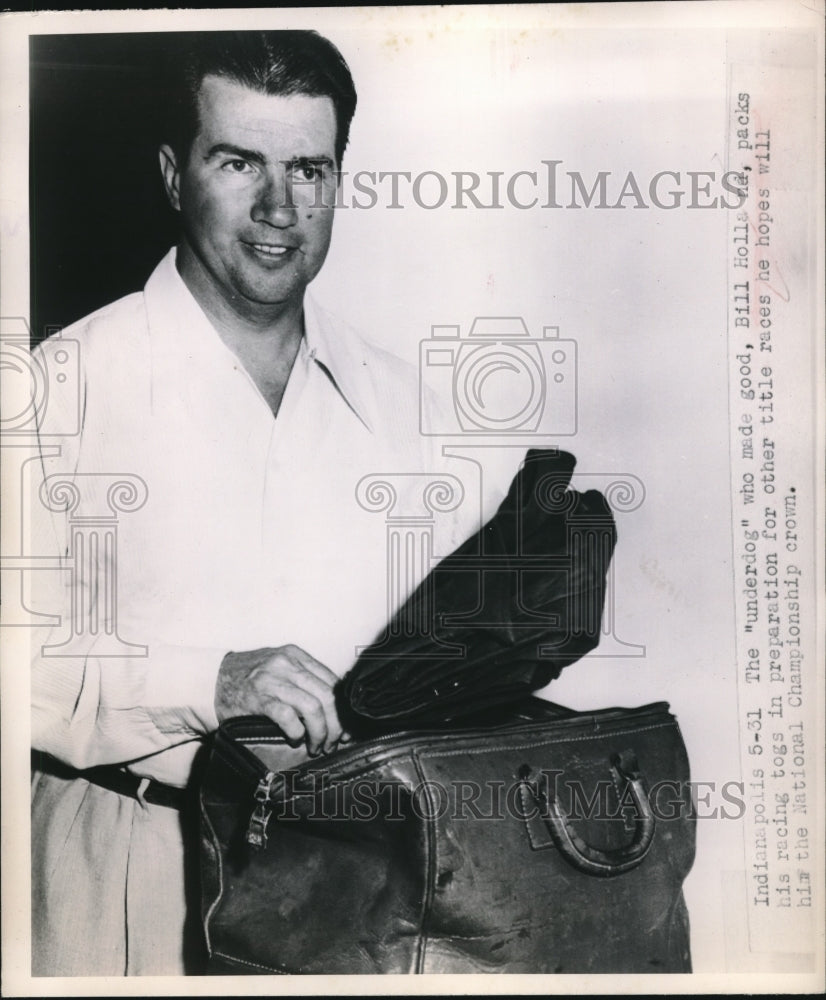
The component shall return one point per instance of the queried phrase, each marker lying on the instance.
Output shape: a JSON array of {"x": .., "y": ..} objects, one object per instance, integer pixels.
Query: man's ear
[{"x": 171, "y": 176}]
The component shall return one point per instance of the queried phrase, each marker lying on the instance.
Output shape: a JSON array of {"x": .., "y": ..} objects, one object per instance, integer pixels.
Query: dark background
[{"x": 99, "y": 217}]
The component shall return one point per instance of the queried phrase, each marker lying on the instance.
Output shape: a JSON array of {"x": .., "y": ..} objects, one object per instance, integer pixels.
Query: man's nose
[{"x": 274, "y": 203}]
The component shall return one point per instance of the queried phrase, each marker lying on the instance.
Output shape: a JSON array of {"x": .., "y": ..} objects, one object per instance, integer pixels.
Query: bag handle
[{"x": 582, "y": 856}]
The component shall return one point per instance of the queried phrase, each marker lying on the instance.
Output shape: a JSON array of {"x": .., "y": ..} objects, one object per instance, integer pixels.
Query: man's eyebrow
[
  {"x": 227, "y": 149},
  {"x": 317, "y": 161},
  {"x": 253, "y": 156}
]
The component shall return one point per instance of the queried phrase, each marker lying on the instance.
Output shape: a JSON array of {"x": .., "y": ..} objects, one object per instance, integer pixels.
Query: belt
[{"x": 115, "y": 779}]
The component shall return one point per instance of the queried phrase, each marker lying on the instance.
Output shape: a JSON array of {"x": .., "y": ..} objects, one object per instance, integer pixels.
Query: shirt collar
[
  {"x": 327, "y": 342},
  {"x": 344, "y": 356}
]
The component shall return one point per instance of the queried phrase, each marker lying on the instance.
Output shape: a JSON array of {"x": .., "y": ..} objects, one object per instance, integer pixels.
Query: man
[{"x": 238, "y": 419}]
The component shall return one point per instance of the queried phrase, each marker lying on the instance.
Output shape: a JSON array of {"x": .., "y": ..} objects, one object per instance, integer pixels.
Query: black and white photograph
[{"x": 413, "y": 515}]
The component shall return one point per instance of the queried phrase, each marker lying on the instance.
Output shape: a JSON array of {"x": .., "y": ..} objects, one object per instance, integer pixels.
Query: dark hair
[{"x": 272, "y": 62}]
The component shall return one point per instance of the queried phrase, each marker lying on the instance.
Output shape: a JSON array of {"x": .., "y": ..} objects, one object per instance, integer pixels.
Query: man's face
[{"x": 252, "y": 195}]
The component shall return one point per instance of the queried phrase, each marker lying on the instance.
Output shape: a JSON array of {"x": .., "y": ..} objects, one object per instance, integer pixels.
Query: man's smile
[{"x": 272, "y": 251}]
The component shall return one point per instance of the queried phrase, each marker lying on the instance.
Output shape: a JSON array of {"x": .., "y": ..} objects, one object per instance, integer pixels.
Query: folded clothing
[{"x": 497, "y": 618}]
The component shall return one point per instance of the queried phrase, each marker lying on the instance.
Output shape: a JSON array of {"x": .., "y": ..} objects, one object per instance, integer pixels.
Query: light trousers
[{"x": 114, "y": 891}]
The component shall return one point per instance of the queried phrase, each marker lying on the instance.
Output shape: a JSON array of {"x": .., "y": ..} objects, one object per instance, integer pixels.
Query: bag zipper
[
  {"x": 267, "y": 778},
  {"x": 260, "y": 818}
]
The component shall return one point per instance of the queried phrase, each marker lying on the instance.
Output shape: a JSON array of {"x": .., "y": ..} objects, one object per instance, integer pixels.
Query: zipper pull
[{"x": 257, "y": 828}]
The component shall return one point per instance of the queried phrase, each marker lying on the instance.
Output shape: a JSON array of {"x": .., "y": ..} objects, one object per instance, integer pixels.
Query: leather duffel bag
[{"x": 549, "y": 841}]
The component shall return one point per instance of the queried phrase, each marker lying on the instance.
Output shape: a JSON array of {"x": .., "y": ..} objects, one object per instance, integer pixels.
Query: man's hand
[{"x": 288, "y": 686}]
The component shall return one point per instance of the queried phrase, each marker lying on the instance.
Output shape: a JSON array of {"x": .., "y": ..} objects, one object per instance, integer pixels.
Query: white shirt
[{"x": 251, "y": 534}]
